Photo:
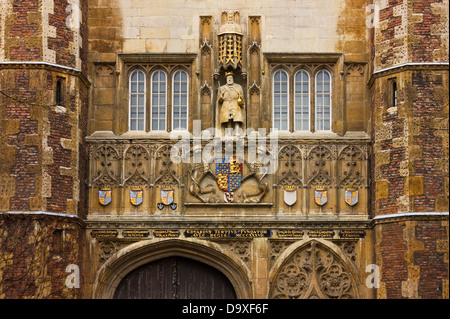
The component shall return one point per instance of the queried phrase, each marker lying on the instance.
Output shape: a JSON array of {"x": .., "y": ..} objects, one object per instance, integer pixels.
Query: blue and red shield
[
  {"x": 351, "y": 196},
  {"x": 104, "y": 196},
  {"x": 167, "y": 196},
  {"x": 136, "y": 196},
  {"x": 320, "y": 196},
  {"x": 229, "y": 173}
]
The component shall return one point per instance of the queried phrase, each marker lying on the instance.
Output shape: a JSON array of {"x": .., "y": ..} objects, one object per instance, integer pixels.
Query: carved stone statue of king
[{"x": 231, "y": 104}]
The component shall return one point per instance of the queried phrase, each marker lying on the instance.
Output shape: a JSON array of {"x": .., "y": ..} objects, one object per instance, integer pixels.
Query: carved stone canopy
[
  {"x": 230, "y": 43},
  {"x": 231, "y": 26}
]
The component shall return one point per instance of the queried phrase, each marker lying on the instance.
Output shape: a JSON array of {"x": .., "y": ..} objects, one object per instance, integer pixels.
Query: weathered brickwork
[
  {"x": 60, "y": 44},
  {"x": 22, "y": 31},
  {"x": 432, "y": 259},
  {"x": 414, "y": 259},
  {"x": 411, "y": 143},
  {"x": 430, "y": 139},
  {"x": 35, "y": 251},
  {"x": 42, "y": 149},
  {"x": 47, "y": 30},
  {"x": 429, "y": 27},
  {"x": 410, "y": 31},
  {"x": 42, "y": 143},
  {"x": 393, "y": 268}
]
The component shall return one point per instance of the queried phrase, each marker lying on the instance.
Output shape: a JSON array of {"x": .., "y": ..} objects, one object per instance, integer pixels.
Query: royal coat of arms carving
[
  {"x": 167, "y": 199},
  {"x": 228, "y": 175},
  {"x": 136, "y": 196},
  {"x": 105, "y": 196},
  {"x": 320, "y": 196},
  {"x": 351, "y": 196}
]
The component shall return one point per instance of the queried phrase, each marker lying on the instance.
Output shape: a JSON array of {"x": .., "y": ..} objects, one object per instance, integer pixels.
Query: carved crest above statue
[{"x": 230, "y": 42}]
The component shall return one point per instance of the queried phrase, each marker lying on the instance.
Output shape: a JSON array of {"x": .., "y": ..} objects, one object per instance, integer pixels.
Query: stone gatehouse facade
[{"x": 288, "y": 149}]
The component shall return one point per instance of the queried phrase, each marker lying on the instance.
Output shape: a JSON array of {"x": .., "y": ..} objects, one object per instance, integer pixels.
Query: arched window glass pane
[
  {"x": 280, "y": 101},
  {"x": 394, "y": 93},
  {"x": 301, "y": 101},
  {"x": 159, "y": 101},
  {"x": 180, "y": 101},
  {"x": 137, "y": 101},
  {"x": 323, "y": 101},
  {"x": 59, "y": 93}
]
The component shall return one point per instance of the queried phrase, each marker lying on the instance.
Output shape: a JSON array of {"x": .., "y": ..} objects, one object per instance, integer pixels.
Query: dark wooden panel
[{"x": 175, "y": 278}]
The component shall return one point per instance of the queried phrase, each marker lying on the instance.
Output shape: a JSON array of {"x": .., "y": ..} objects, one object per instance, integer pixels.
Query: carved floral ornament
[{"x": 313, "y": 272}]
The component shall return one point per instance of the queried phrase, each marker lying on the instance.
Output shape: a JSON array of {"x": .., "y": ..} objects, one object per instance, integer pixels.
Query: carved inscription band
[{"x": 228, "y": 233}]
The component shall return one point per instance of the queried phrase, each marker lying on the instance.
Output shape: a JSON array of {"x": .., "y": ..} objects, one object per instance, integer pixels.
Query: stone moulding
[
  {"x": 412, "y": 216},
  {"x": 42, "y": 214},
  {"x": 406, "y": 67},
  {"x": 173, "y": 222},
  {"x": 158, "y": 58},
  {"x": 46, "y": 65},
  {"x": 303, "y": 57}
]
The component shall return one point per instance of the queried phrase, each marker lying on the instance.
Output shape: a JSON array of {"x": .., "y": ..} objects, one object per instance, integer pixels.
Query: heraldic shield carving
[
  {"x": 229, "y": 173},
  {"x": 104, "y": 196},
  {"x": 167, "y": 199},
  {"x": 320, "y": 196},
  {"x": 351, "y": 196},
  {"x": 290, "y": 195},
  {"x": 167, "y": 196},
  {"x": 136, "y": 196}
]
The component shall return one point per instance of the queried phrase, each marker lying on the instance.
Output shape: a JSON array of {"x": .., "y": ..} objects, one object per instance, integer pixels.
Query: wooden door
[{"x": 175, "y": 278}]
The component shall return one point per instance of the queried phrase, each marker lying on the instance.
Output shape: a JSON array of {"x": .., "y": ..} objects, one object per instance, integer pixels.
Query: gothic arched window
[
  {"x": 323, "y": 101},
  {"x": 158, "y": 101},
  {"x": 301, "y": 101},
  {"x": 280, "y": 101},
  {"x": 59, "y": 94},
  {"x": 394, "y": 93},
  {"x": 180, "y": 100},
  {"x": 137, "y": 101}
]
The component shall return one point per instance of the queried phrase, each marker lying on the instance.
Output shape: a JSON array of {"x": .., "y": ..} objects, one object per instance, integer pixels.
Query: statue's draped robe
[{"x": 230, "y": 108}]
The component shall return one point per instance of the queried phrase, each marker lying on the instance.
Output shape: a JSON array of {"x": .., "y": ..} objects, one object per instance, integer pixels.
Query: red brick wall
[
  {"x": 392, "y": 249},
  {"x": 422, "y": 256},
  {"x": 24, "y": 39},
  {"x": 62, "y": 186},
  {"x": 24, "y": 275},
  {"x": 428, "y": 112},
  {"x": 36, "y": 251},
  {"x": 64, "y": 35},
  {"x": 22, "y": 28},
  {"x": 26, "y": 155},
  {"x": 425, "y": 42},
  {"x": 415, "y": 169},
  {"x": 431, "y": 260},
  {"x": 388, "y": 33}
]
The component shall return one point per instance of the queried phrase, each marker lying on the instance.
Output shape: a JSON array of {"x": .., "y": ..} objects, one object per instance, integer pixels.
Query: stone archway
[
  {"x": 141, "y": 253},
  {"x": 313, "y": 269}
]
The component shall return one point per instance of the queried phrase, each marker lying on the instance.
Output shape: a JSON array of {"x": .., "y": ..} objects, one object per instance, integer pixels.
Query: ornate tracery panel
[{"x": 313, "y": 272}]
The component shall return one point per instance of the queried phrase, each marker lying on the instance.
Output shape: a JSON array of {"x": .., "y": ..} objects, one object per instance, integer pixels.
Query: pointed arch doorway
[{"x": 175, "y": 277}]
